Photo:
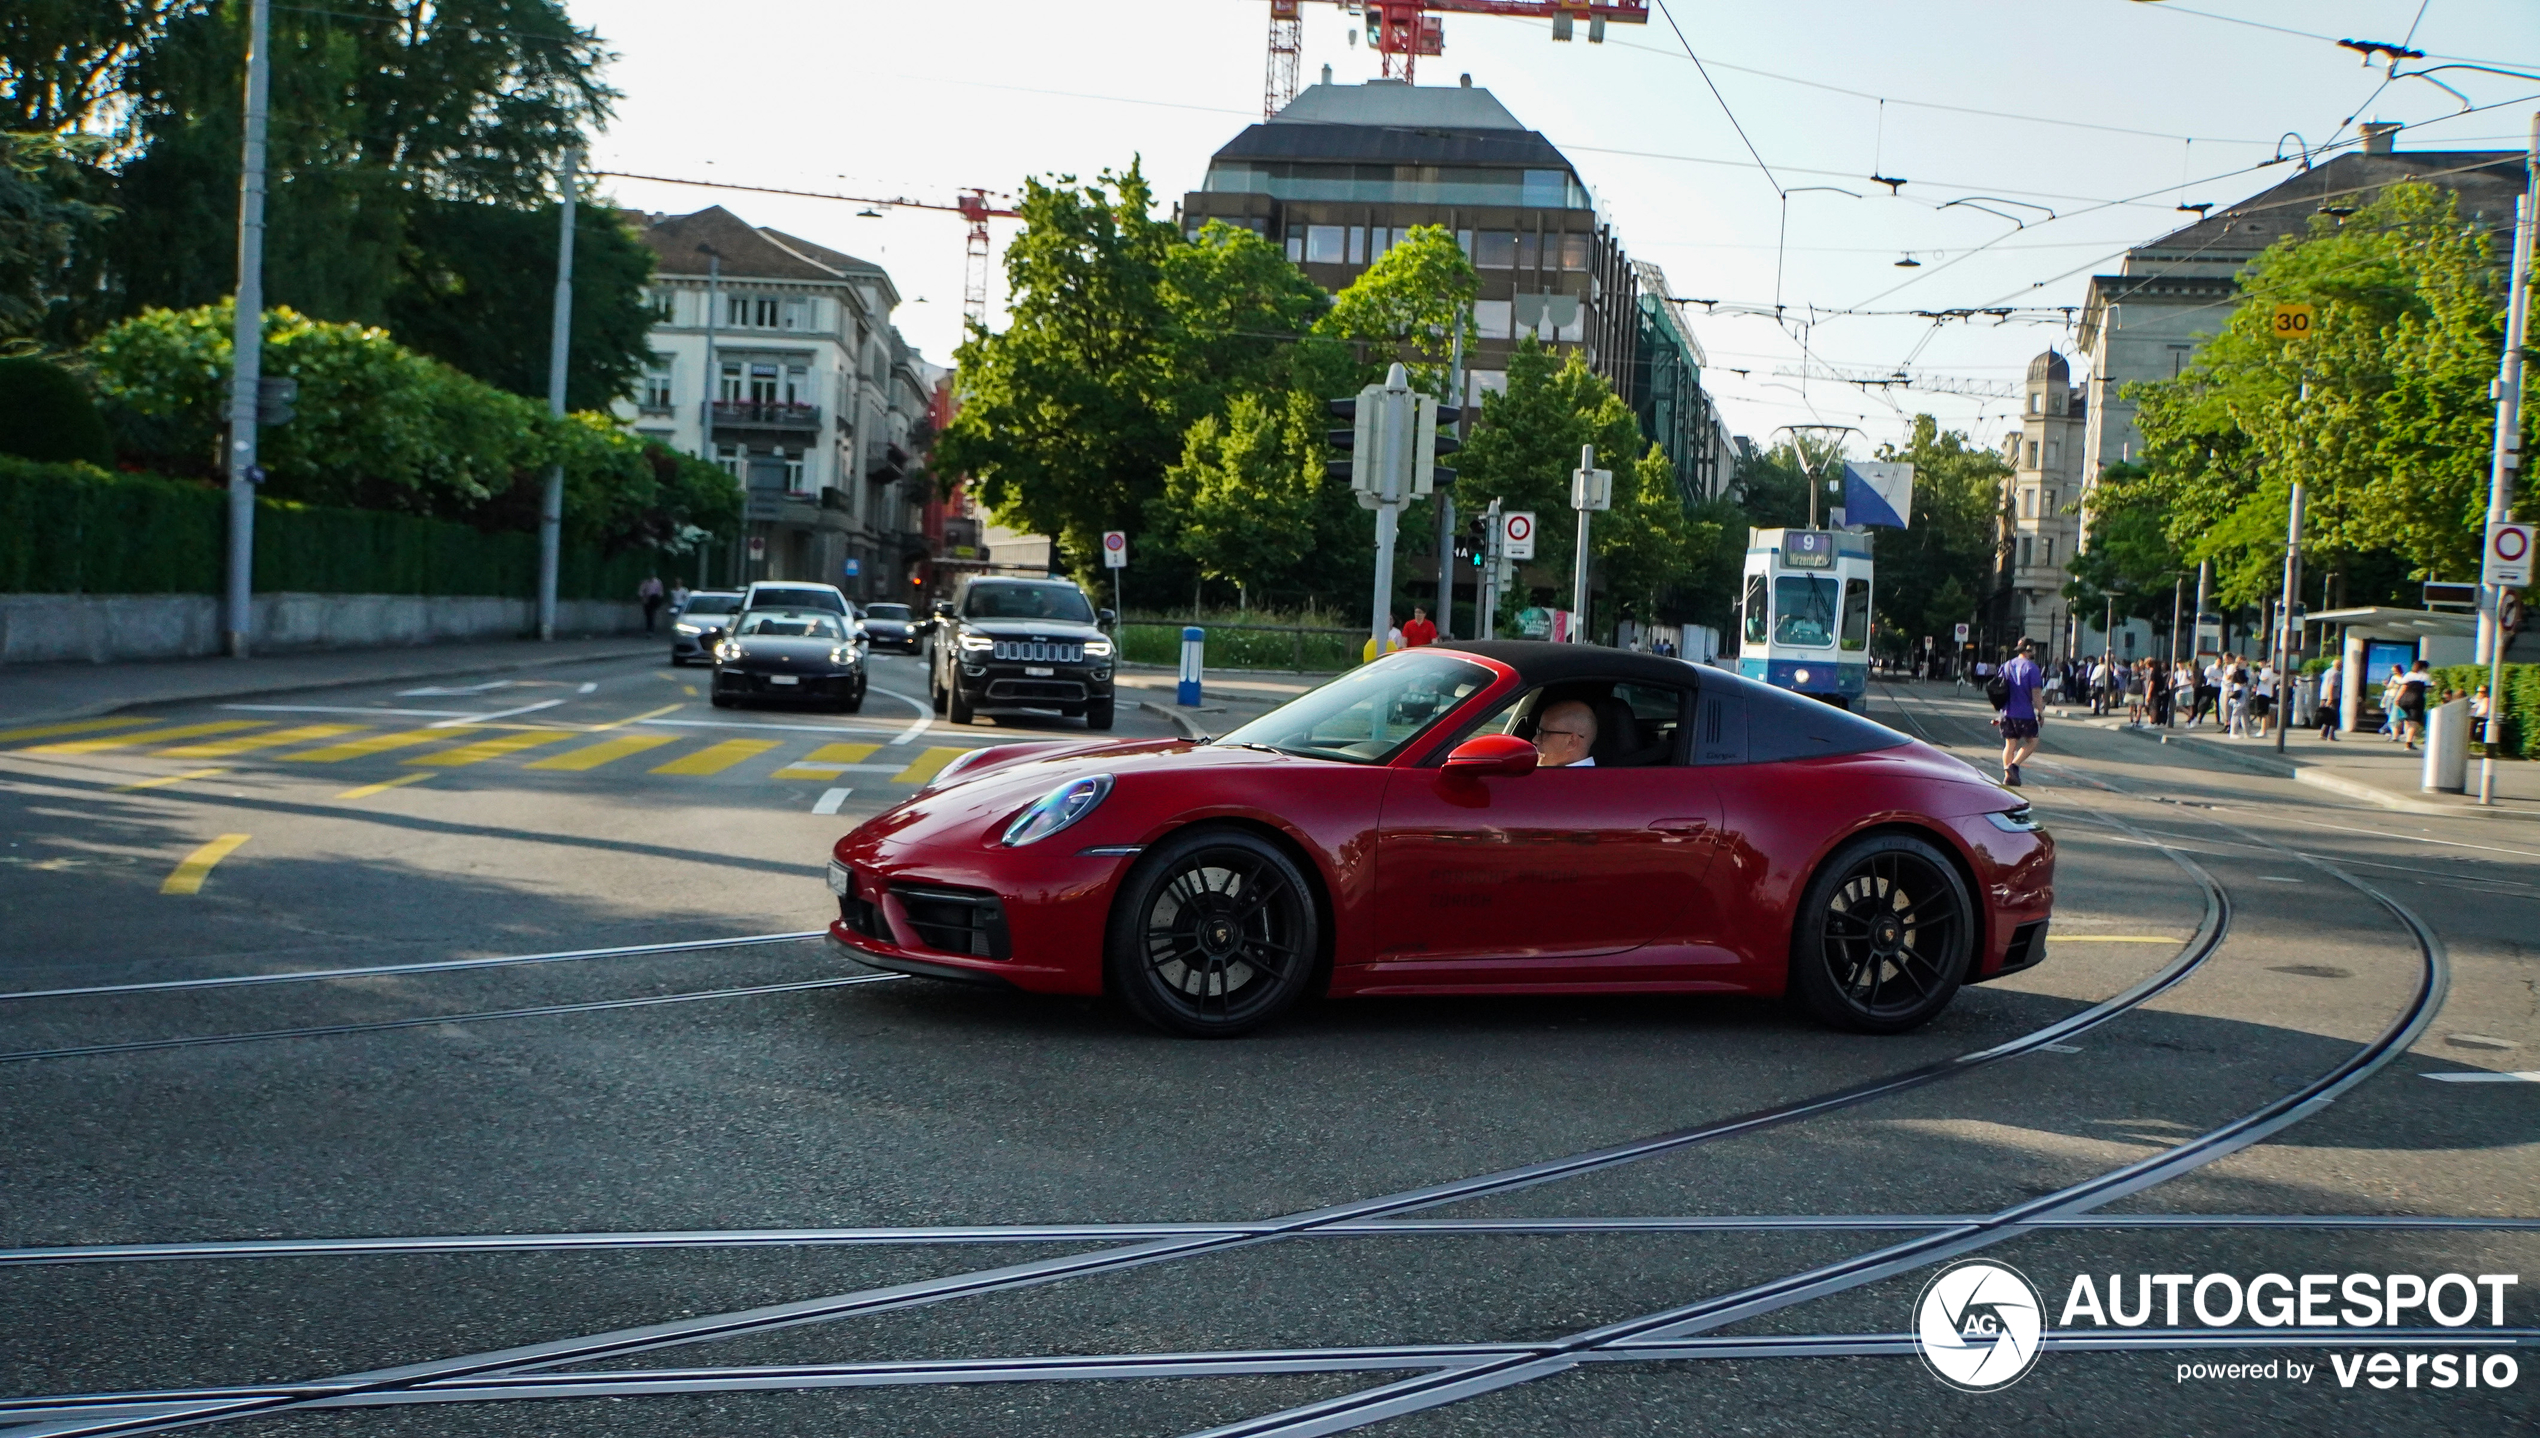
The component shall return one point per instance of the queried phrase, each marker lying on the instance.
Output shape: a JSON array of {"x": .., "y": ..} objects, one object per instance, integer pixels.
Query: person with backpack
[{"x": 2016, "y": 690}]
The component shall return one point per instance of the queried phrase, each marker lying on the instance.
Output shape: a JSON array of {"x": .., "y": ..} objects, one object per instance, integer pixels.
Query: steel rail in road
[
  {"x": 236, "y": 1250},
  {"x": 1223, "y": 1363},
  {"x": 302, "y": 976},
  {"x": 2208, "y": 938},
  {"x": 1451, "y": 1385},
  {"x": 132, "y": 1046}
]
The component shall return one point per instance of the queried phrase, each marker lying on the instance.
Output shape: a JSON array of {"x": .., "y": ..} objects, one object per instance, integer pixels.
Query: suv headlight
[
  {"x": 1098, "y": 649},
  {"x": 1057, "y": 809},
  {"x": 979, "y": 643}
]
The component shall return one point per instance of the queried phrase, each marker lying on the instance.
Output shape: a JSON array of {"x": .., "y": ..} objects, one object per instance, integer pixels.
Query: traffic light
[
  {"x": 1474, "y": 543},
  {"x": 1343, "y": 440},
  {"x": 1427, "y": 473}
]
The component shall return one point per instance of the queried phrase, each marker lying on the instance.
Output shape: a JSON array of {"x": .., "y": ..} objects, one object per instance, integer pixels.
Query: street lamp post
[
  {"x": 559, "y": 352},
  {"x": 247, "y": 341},
  {"x": 2291, "y": 632}
]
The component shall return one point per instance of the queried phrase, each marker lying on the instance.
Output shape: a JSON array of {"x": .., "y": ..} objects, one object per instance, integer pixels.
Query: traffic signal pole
[
  {"x": 1393, "y": 470},
  {"x": 2500, "y": 486},
  {"x": 559, "y": 351},
  {"x": 247, "y": 342}
]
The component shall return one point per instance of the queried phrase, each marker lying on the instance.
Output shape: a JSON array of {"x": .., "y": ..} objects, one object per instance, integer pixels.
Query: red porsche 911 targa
[{"x": 1394, "y": 833}]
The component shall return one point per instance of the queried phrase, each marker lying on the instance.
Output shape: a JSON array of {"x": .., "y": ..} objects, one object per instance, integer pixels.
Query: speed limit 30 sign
[{"x": 2508, "y": 563}]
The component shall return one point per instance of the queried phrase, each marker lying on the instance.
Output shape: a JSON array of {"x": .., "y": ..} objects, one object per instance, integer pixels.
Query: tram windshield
[{"x": 1803, "y": 610}]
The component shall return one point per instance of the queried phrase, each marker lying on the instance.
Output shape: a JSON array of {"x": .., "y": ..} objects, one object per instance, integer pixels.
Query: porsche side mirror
[
  {"x": 1105, "y": 618},
  {"x": 1488, "y": 755}
]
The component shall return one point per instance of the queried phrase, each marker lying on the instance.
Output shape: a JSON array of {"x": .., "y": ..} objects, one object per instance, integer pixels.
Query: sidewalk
[
  {"x": 2356, "y": 766},
  {"x": 44, "y": 693}
]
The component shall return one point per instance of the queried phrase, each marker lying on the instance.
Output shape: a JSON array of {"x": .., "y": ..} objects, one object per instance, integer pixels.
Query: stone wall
[{"x": 105, "y": 628}]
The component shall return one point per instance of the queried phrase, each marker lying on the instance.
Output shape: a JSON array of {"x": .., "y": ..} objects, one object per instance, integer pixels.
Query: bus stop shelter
[{"x": 2377, "y": 637}]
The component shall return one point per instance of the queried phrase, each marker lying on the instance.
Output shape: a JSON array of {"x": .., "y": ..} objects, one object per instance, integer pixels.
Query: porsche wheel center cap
[
  {"x": 1217, "y": 936},
  {"x": 1887, "y": 933}
]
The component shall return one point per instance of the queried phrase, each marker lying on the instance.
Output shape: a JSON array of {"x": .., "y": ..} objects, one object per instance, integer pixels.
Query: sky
[{"x": 2072, "y": 129}]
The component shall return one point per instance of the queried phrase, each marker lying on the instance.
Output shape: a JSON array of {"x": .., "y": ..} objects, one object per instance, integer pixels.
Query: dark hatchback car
[
  {"x": 892, "y": 626},
  {"x": 1021, "y": 644},
  {"x": 795, "y": 655},
  {"x": 701, "y": 624}
]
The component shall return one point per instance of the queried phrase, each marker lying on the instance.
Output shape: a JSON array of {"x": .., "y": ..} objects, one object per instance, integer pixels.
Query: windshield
[
  {"x": 797, "y": 599},
  {"x": 1026, "y": 601},
  {"x": 711, "y": 604},
  {"x": 793, "y": 626},
  {"x": 1367, "y": 716},
  {"x": 1803, "y": 611},
  {"x": 886, "y": 611}
]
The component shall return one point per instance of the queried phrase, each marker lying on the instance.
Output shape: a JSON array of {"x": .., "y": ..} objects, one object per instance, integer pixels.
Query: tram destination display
[{"x": 1807, "y": 549}]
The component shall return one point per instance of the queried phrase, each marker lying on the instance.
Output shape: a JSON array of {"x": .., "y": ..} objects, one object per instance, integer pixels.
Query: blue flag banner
[{"x": 1878, "y": 493}]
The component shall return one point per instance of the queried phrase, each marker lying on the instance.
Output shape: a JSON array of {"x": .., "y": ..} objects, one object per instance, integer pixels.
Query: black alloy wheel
[
  {"x": 1213, "y": 934},
  {"x": 1885, "y": 936}
]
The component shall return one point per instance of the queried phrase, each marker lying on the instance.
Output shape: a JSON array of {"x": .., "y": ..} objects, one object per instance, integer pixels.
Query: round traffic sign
[
  {"x": 2512, "y": 543},
  {"x": 1521, "y": 527},
  {"x": 1115, "y": 539}
]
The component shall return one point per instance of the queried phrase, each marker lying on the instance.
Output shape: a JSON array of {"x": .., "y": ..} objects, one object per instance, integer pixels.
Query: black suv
[{"x": 1020, "y": 643}]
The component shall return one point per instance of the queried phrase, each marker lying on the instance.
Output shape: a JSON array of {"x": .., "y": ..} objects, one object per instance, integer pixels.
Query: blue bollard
[{"x": 1194, "y": 645}]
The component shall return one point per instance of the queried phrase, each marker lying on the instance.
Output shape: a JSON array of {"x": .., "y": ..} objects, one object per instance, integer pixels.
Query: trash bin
[{"x": 2447, "y": 747}]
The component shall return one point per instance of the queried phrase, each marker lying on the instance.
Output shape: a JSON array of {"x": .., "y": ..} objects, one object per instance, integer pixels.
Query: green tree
[
  {"x": 1242, "y": 501},
  {"x": 1957, "y": 500},
  {"x": 46, "y": 414},
  {"x": 2381, "y": 411},
  {"x": 476, "y": 283},
  {"x": 1410, "y": 305},
  {"x": 2129, "y": 556},
  {"x": 43, "y": 221}
]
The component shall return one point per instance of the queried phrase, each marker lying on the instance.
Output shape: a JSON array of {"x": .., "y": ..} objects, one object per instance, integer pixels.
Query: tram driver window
[
  {"x": 1803, "y": 610},
  {"x": 1856, "y": 614},
  {"x": 1758, "y": 609}
]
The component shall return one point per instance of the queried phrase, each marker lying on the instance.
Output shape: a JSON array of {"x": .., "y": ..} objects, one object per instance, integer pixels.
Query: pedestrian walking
[
  {"x": 2332, "y": 695},
  {"x": 650, "y": 593},
  {"x": 2023, "y": 685},
  {"x": 2413, "y": 687},
  {"x": 678, "y": 595},
  {"x": 2262, "y": 697}
]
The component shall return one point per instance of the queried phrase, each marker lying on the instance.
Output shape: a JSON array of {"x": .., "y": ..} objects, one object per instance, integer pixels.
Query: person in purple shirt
[{"x": 2025, "y": 683}]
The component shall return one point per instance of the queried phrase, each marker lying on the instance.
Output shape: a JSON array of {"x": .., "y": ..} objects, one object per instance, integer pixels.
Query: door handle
[{"x": 1680, "y": 826}]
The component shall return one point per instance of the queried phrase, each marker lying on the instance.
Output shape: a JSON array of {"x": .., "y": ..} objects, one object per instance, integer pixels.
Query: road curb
[
  {"x": 249, "y": 685},
  {"x": 2271, "y": 768},
  {"x": 2319, "y": 776},
  {"x": 1189, "y": 726}
]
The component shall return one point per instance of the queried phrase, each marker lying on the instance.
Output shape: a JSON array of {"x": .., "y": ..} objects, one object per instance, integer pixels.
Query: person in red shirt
[{"x": 1419, "y": 631}]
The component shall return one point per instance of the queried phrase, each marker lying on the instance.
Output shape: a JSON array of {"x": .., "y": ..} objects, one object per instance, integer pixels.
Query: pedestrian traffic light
[{"x": 1426, "y": 472}]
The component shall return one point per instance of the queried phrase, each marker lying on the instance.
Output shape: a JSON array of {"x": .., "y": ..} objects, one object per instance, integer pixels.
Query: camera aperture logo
[{"x": 1979, "y": 1325}]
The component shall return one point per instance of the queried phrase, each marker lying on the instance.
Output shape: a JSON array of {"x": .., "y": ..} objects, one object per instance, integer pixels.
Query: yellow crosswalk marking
[
  {"x": 592, "y": 756},
  {"x": 151, "y": 736},
  {"x": 77, "y": 726},
  {"x": 715, "y": 758},
  {"x": 927, "y": 765},
  {"x": 366, "y": 790},
  {"x": 814, "y": 765},
  {"x": 494, "y": 748},
  {"x": 187, "y": 877},
  {"x": 165, "y": 780},
  {"x": 223, "y": 748},
  {"x": 377, "y": 744}
]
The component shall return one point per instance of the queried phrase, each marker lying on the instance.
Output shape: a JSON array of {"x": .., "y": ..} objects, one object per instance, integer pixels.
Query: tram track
[{"x": 1453, "y": 1371}]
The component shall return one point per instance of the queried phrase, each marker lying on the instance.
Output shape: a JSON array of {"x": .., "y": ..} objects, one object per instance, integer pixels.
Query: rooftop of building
[
  {"x": 1395, "y": 122},
  {"x": 2486, "y": 181},
  {"x": 746, "y": 251}
]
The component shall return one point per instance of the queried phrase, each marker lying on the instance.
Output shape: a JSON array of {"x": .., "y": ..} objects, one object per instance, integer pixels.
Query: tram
[{"x": 1804, "y": 614}]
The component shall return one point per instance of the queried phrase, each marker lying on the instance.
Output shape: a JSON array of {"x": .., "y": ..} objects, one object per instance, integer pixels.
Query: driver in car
[{"x": 1564, "y": 734}]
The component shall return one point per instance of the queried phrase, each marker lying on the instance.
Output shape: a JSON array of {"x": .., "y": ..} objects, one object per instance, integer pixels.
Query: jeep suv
[{"x": 1020, "y": 643}]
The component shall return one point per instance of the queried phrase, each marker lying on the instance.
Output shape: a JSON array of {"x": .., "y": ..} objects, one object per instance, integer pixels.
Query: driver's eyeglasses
[{"x": 1547, "y": 733}]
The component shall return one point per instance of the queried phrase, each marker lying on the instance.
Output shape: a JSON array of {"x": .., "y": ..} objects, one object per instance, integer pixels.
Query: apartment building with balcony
[
  {"x": 775, "y": 358},
  {"x": 2041, "y": 527}
]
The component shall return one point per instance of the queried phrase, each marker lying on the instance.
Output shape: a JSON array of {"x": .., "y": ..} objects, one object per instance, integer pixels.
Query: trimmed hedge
[
  {"x": 2522, "y": 704},
  {"x": 75, "y": 529}
]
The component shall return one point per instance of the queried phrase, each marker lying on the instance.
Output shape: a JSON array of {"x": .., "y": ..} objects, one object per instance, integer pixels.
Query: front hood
[
  {"x": 787, "y": 651},
  {"x": 975, "y": 807},
  {"x": 1034, "y": 629}
]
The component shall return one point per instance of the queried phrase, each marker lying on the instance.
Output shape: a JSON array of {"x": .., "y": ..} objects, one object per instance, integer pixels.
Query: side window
[
  {"x": 1758, "y": 610},
  {"x": 1657, "y": 714},
  {"x": 1856, "y": 614}
]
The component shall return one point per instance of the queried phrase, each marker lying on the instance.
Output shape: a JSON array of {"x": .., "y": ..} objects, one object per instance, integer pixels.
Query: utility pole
[
  {"x": 1487, "y": 622},
  {"x": 247, "y": 339},
  {"x": 705, "y": 410},
  {"x": 1446, "y": 498},
  {"x": 2500, "y": 485},
  {"x": 1591, "y": 489},
  {"x": 559, "y": 350},
  {"x": 1394, "y": 436},
  {"x": 2290, "y": 634}
]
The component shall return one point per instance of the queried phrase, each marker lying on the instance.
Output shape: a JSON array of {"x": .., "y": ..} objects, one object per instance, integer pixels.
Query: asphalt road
[{"x": 768, "y": 1086}]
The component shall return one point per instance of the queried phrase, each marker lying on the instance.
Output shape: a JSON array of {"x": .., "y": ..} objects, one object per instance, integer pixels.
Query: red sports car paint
[{"x": 1680, "y": 877}]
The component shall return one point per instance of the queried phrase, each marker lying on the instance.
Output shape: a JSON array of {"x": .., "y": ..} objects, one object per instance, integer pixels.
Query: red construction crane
[
  {"x": 976, "y": 206},
  {"x": 1405, "y": 30}
]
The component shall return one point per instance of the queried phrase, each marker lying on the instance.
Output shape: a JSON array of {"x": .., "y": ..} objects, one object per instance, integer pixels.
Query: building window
[
  {"x": 2050, "y": 549},
  {"x": 1324, "y": 245},
  {"x": 2054, "y": 453},
  {"x": 1492, "y": 318},
  {"x": 2032, "y": 454},
  {"x": 1574, "y": 251},
  {"x": 1495, "y": 250},
  {"x": 1464, "y": 241},
  {"x": 794, "y": 471},
  {"x": 663, "y": 305},
  {"x": 1526, "y": 249},
  {"x": 1545, "y": 190},
  {"x": 1379, "y": 240},
  {"x": 729, "y": 391},
  {"x": 656, "y": 389},
  {"x": 2028, "y": 553},
  {"x": 729, "y": 458},
  {"x": 1296, "y": 247},
  {"x": 797, "y": 384},
  {"x": 798, "y": 314},
  {"x": 1358, "y": 244}
]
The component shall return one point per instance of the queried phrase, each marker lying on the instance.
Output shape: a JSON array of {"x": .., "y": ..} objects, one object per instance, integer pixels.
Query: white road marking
[
  {"x": 2479, "y": 1041},
  {"x": 2060, "y": 1048},
  {"x": 589, "y": 688},
  {"x": 925, "y": 713},
  {"x": 351, "y": 709},
  {"x": 830, "y": 801},
  {"x": 2484, "y": 1077},
  {"x": 2421, "y": 839},
  {"x": 851, "y": 768},
  {"x": 752, "y": 724},
  {"x": 462, "y": 689},
  {"x": 497, "y": 714}
]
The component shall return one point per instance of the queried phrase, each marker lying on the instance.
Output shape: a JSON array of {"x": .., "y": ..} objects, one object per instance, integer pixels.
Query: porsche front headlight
[{"x": 1057, "y": 809}]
